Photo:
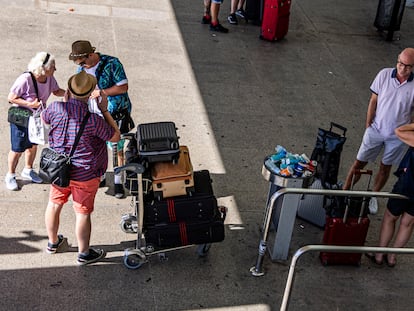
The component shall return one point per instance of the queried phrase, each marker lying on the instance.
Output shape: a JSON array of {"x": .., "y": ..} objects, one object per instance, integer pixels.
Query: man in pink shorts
[{"x": 89, "y": 162}]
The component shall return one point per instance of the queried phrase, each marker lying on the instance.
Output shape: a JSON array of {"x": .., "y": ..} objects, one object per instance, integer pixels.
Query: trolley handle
[
  {"x": 133, "y": 167},
  {"x": 342, "y": 128}
]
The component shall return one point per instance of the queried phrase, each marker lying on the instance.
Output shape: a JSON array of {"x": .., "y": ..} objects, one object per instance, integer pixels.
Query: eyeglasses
[{"x": 405, "y": 65}]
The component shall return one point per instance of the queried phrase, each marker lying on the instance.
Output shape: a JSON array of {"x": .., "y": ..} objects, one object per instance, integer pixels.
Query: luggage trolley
[{"x": 133, "y": 222}]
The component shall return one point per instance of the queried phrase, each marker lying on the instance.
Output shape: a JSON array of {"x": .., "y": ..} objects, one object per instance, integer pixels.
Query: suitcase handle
[
  {"x": 342, "y": 128},
  {"x": 363, "y": 172}
]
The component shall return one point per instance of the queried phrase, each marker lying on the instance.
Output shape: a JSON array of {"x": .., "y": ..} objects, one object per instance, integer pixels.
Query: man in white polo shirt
[{"x": 390, "y": 106}]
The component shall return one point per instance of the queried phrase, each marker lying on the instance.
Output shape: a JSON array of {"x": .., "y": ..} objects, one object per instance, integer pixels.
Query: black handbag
[
  {"x": 123, "y": 120},
  {"x": 55, "y": 167},
  {"x": 19, "y": 115}
]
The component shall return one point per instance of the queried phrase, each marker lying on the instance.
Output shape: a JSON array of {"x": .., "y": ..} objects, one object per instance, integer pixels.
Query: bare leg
[
  {"x": 382, "y": 177},
  {"x": 387, "y": 231},
  {"x": 214, "y": 11},
  {"x": 83, "y": 232},
  {"x": 233, "y": 6},
  {"x": 240, "y": 5},
  {"x": 358, "y": 165},
  {"x": 207, "y": 4},
  {"x": 52, "y": 220},
  {"x": 30, "y": 155},
  {"x": 404, "y": 233},
  {"x": 12, "y": 160}
]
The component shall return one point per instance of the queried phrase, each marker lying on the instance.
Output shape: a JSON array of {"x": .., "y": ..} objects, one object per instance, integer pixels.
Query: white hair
[{"x": 40, "y": 63}]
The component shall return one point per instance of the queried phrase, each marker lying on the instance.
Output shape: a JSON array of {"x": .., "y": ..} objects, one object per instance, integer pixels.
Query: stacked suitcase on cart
[{"x": 181, "y": 209}]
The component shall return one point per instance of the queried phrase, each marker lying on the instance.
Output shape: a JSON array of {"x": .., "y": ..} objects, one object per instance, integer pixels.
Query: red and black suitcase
[
  {"x": 158, "y": 142},
  {"x": 185, "y": 233},
  {"x": 347, "y": 230},
  {"x": 275, "y": 22},
  {"x": 200, "y": 206}
]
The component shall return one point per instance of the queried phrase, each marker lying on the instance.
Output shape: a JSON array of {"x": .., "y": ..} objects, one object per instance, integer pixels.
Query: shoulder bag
[
  {"x": 54, "y": 166},
  {"x": 19, "y": 115}
]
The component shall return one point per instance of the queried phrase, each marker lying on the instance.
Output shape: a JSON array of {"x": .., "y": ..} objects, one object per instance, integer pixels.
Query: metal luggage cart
[{"x": 133, "y": 222}]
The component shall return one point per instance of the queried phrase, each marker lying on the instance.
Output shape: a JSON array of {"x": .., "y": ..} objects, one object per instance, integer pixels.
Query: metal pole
[
  {"x": 257, "y": 270},
  {"x": 334, "y": 249}
]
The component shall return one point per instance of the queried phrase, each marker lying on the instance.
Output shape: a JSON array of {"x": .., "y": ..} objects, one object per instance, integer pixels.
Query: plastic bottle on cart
[
  {"x": 286, "y": 172},
  {"x": 272, "y": 166},
  {"x": 280, "y": 153}
]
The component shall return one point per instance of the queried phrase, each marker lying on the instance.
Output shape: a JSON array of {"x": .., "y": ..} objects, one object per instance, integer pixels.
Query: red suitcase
[
  {"x": 275, "y": 22},
  {"x": 347, "y": 231}
]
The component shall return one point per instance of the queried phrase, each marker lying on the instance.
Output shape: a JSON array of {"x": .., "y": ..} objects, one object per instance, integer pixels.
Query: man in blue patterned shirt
[{"x": 113, "y": 83}]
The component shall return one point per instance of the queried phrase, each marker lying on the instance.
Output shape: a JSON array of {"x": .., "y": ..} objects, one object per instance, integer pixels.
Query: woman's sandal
[
  {"x": 373, "y": 259},
  {"x": 389, "y": 263}
]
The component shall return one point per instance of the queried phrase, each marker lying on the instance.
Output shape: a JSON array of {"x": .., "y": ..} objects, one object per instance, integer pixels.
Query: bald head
[{"x": 408, "y": 56}]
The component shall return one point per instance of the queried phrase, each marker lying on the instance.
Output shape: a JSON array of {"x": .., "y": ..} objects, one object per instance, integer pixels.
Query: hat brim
[{"x": 90, "y": 83}]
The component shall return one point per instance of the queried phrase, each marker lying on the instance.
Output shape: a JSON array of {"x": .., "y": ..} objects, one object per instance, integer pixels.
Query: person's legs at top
[
  {"x": 240, "y": 11},
  {"x": 215, "y": 24},
  {"x": 206, "y": 14},
  {"x": 232, "y": 18}
]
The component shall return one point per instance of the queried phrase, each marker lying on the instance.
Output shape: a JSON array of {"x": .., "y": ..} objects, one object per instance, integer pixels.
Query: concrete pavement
[{"x": 233, "y": 98}]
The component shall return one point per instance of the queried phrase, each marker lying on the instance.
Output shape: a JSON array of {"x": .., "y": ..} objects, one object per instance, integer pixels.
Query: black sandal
[
  {"x": 372, "y": 258},
  {"x": 389, "y": 264}
]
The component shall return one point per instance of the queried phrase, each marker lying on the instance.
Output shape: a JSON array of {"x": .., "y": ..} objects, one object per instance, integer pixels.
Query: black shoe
[
  {"x": 119, "y": 191},
  {"x": 93, "y": 256},
  {"x": 232, "y": 19},
  {"x": 206, "y": 19},
  {"x": 53, "y": 247},
  {"x": 242, "y": 14},
  {"x": 218, "y": 28}
]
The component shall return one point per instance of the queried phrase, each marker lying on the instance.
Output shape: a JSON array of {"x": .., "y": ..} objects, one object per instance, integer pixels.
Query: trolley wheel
[
  {"x": 127, "y": 224},
  {"x": 134, "y": 258},
  {"x": 203, "y": 249}
]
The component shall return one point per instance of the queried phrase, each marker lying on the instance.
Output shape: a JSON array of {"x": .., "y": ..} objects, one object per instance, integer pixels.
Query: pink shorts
[{"x": 83, "y": 195}]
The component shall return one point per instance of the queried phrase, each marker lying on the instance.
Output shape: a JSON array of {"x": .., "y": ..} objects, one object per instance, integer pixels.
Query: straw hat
[{"x": 81, "y": 84}]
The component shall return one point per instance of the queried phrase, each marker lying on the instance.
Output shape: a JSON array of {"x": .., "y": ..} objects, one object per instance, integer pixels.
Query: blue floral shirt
[{"x": 109, "y": 72}]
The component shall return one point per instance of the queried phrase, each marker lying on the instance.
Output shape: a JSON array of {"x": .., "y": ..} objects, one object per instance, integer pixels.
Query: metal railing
[
  {"x": 257, "y": 270},
  {"x": 332, "y": 249}
]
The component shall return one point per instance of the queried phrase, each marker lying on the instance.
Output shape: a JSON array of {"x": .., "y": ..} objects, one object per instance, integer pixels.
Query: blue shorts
[
  {"x": 19, "y": 138},
  {"x": 373, "y": 143},
  {"x": 217, "y": 1}
]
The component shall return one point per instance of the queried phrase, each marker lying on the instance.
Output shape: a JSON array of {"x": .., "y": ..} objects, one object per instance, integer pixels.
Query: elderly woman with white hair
[{"x": 30, "y": 90}]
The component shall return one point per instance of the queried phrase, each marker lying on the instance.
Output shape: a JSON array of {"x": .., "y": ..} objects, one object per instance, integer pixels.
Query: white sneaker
[
  {"x": 11, "y": 182},
  {"x": 32, "y": 175},
  {"x": 373, "y": 206}
]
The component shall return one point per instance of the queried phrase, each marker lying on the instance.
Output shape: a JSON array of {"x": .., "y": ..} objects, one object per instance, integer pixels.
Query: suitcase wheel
[
  {"x": 134, "y": 258},
  {"x": 202, "y": 249},
  {"x": 174, "y": 145}
]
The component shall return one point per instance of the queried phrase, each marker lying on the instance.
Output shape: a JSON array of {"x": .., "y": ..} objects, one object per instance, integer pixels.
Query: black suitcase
[
  {"x": 254, "y": 11},
  {"x": 158, "y": 142},
  {"x": 200, "y": 206},
  {"x": 389, "y": 16},
  {"x": 185, "y": 233}
]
